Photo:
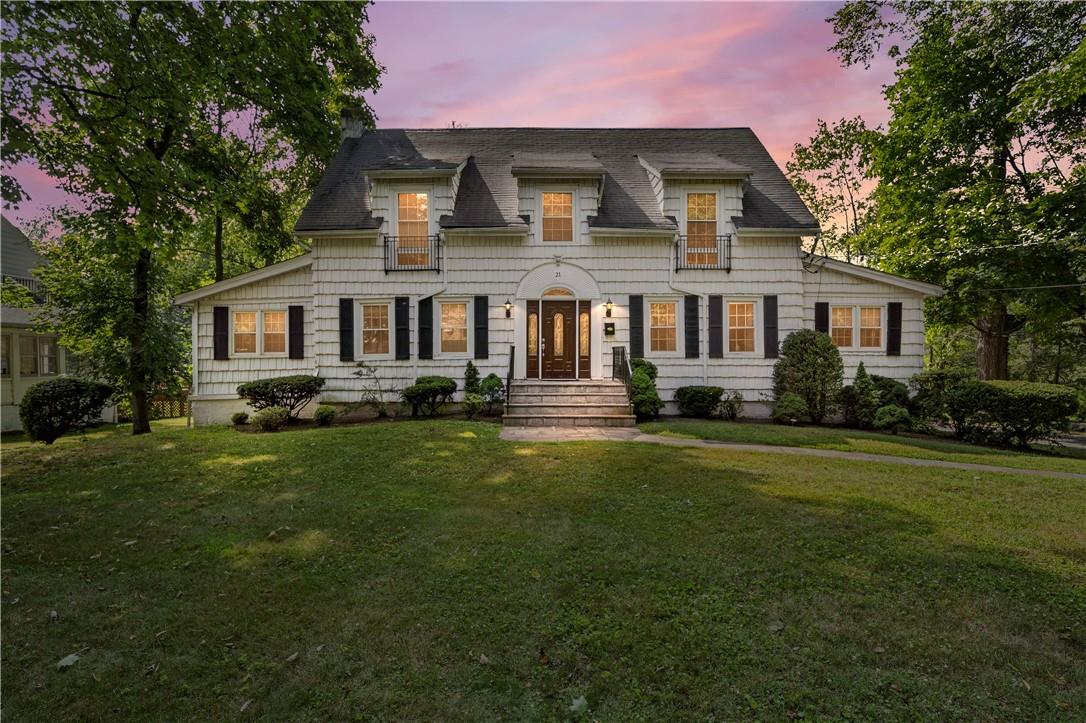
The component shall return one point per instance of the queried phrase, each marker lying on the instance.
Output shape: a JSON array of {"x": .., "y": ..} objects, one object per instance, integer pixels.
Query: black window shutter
[
  {"x": 822, "y": 317},
  {"x": 893, "y": 328},
  {"x": 296, "y": 331},
  {"x": 637, "y": 326},
  {"x": 426, "y": 328},
  {"x": 346, "y": 329},
  {"x": 403, "y": 328},
  {"x": 769, "y": 326},
  {"x": 690, "y": 316},
  {"x": 222, "y": 332},
  {"x": 716, "y": 327},
  {"x": 482, "y": 319}
]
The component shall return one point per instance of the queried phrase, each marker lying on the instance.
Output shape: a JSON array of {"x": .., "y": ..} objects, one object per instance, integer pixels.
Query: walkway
[{"x": 627, "y": 434}]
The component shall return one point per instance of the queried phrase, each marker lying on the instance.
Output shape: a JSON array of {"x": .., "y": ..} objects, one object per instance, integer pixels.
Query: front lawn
[
  {"x": 1065, "y": 459},
  {"x": 429, "y": 570}
]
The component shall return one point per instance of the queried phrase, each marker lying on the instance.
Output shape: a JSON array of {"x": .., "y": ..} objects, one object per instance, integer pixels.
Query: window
[
  {"x": 245, "y": 332},
  {"x": 584, "y": 336},
  {"x": 28, "y": 356},
  {"x": 412, "y": 229},
  {"x": 533, "y": 334},
  {"x": 557, "y": 217},
  {"x": 701, "y": 248},
  {"x": 558, "y": 292},
  {"x": 5, "y": 356},
  {"x": 375, "y": 329},
  {"x": 871, "y": 327},
  {"x": 275, "y": 332},
  {"x": 454, "y": 327},
  {"x": 663, "y": 335},
  {"x": 559, "y": 334},
  {"x": 841, "y": 325},
  {"x": 741, "y": 326},
  {"x": 47, "y": 355}
]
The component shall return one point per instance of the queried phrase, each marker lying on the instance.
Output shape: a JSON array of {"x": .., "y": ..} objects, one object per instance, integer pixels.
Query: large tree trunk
[
  {"x": 993, "y": 344},
  {"x": 138, "y": 371},
  {"x": 218, "y": 247}
]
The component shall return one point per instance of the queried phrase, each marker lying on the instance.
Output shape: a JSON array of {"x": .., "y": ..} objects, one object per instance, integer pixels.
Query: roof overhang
[
  {"x": 610, "y": 231},
  {"x": 461, "y": 231},
  {"x": 298, "y": 262},
  {"x": 410, "y": 173},
  {"x": 785, "y": 231},
  {"x": 695, "y": 174},
  {"x": 551, "y": 173},
  {"x": 864, "y": 272},
  {"x": 338, "y": 233}
]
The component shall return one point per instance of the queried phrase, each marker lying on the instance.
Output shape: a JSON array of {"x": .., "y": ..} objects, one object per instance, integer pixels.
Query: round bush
[
  {"x": 892, "y": 418},
  {"x": 473, "y": 404},
  {"x": 698, "y": 401},
  {"x": 55, "y": 407},
  {"x": 270, "y": 419},
  {"x": 291, "y": 392},
  {"x": 643, "y": 395},
  {"x": 493, "y": 390},
  {"x": 324, "y": 414},
  {"x": 644, "y": 365},
  {"x": 239, "y": 418},
  {"x": 809, "y": 366},
  {"x": 790, "y": 409},
  {"x": 429, "y": 393}
]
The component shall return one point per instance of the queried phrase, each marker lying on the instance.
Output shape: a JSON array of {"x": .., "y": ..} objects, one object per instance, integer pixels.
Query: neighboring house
[{"x": 559, "y": 249}]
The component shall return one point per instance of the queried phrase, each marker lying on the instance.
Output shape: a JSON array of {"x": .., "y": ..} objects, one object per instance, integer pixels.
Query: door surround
[{"x": 553, "y": 353}]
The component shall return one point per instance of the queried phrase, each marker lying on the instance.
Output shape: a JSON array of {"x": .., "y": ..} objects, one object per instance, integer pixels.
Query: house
[
  {"x": 26, "y": 357},
  {"x": 545, "y": 255}
]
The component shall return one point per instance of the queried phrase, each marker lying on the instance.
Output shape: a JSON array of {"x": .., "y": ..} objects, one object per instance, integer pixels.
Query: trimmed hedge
[
  {"x": 929, "y": 406},
  {"x": 473, "y": 404},
  {"x": 790, "y": 409},
  {"x": 699, "y": 401},
  {"x": 643, "y": 395},
  {"x": 893, "y": 418},
  {"x": 239, "y": 418},
  {"x": 324, "y": 414},
  {"x": 429, "y": 393},
  {"x": 270, "y": 419},
  {"x": 1009, "y": 412},
  {"x": 809, "y": 366},
  {"x": 493, "y": 390},
  {"x": 55, "y": 407},
  {"x": 290, "y": 392},
  {"x": 644, "y": 365}
]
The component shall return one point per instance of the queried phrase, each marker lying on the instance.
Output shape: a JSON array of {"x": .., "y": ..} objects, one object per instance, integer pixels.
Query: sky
[{"x": 569, "y": 64}]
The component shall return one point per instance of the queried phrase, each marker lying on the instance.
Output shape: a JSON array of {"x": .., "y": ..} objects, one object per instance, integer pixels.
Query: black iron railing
[
  {"x": 509, "y": 374},
  {"x": 31, "y": 284},
  {"x": 704, "y": 252},
  {"x": 412, "y": 253},
  {"x": 620, "y": 367}
]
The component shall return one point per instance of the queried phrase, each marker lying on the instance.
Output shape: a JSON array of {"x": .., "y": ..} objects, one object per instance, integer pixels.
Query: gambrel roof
[{"x": 489, "y": 160}]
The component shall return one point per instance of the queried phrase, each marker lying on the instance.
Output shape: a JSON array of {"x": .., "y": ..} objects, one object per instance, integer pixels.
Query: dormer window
[
  {"x": 412, "y": 229},
  {"x": 701, "y": 229},
  {"x": 557, "y": 217}
]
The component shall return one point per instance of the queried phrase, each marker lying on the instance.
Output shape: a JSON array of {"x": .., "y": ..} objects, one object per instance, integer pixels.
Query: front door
[{"x": 557, "y": 342}]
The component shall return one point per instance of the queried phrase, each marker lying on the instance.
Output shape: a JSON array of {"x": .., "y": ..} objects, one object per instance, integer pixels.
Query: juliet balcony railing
[
  {"x": 412, "y": 253},
  {"x": 704, "y": 252},
  {"x": 34, "y": 286}
]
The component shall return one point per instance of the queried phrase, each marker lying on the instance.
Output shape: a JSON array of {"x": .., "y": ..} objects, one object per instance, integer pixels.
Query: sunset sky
[{"x": 763, "y": 65}]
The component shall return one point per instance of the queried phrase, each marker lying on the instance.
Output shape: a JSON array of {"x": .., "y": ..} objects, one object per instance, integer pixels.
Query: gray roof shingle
[{"x": 487, "y": 195}]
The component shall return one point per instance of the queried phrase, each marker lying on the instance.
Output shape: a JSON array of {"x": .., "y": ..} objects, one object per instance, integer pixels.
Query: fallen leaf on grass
[
  {"x": 245, "y": 705},
  {"x": 483, "y": 660},
  {"x": 292, "y": 657},
  {"x": 579, "y": 705},
  {"x": 68, "y": 661}
]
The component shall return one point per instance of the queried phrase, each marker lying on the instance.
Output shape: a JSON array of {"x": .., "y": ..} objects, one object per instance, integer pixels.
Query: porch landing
[{"x": 572, "y": 403}]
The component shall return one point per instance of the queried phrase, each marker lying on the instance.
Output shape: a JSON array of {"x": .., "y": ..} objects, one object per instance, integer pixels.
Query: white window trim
[
  {"x": 758, "y": 341},
  {"x": 259, "y": 311},
  {"x": 680, "y": 335},
  {"x": 387, "y": 303},
  {"x": 855, "y": 347},
  {"x": 576, "y": 208},
  {"x": 684, "y": 191},
  {"x": 16, "y": 352},
  {"x": 394, "y": 192},
  {"x": 470, "y": 315}
]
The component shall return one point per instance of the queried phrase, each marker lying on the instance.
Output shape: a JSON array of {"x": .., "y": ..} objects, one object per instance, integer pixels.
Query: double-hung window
[
  {"x": 701, "y": 229},
  {"x": 259, "y": 332},
  {"x": 454, "y": 327},
  {"x": 412, "y": 229},
  {"x": 854, "y": 327},
  {"x": 871, "y": 327},
  {"x": 275, "y": 332},
  {"x": 557, "y": 217},
  {"x": 663, "y": 326},
  {"x": 28, "y": 356},
  {"x": 841, "y": 325},
  {"x": 245, "y": 332},
  {"x": 740, "y": 326},
  {"x": 375, "y": 340}
]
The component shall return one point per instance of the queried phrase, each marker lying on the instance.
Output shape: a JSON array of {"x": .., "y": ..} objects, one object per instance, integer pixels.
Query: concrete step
[
  {"x": 570, "y": 408},
  {"x": 579, "y": 420},
  {"x": 617, "y": 396},
  {"x": 583, "y": 386}
]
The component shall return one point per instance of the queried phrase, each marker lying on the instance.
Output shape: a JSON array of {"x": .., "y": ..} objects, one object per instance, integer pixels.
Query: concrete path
[{"x": 632, "y": 434}]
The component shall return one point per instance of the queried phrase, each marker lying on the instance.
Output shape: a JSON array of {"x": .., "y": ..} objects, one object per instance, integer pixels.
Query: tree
[
  {"x": 982, "y": 177},
  {"x": 832, "y": 175},
  {"x": 122, "y": 102}
]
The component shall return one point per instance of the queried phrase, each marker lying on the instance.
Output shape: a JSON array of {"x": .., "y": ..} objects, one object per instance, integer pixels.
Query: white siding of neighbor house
[{"x": 353, "y": 267}]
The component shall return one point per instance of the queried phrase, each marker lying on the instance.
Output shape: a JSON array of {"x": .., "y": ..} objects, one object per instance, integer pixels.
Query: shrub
[
  {"x": 55, "y": 407},
  {"x": 861, "y": 400},
  {"x": 429, "y": 393},
  {"x": 239, "y": 418},
  {"x": 891, "y": 391},
  {"x": 695, "y": 401},
  {"x": 731, "y": 406},
  {"x": 646, "y": 366},
  {"x": 892, "y": 418},
  {"x": 1009, "y": 412},
  {"x": 790, "y": 409},
  {"x": 493, "y": 391},
  {"x": 929, "y": 406},
  {"x": 324, "y": 414},
  {"x": 270, "y": 419},
  {"x": 473, "y": 404},
  {"x": 471, "y": 379},
  {"x": 373, "y": 393},
  {"x": 646, "y": 401},
  {"x": 809, "y": 366},
  {"x": 291, "y": 392}
]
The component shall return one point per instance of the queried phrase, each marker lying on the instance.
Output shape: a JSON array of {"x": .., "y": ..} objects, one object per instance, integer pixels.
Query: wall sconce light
[
  {"x": 508, "y": 308},
  {"x": 610, "y": 305}
]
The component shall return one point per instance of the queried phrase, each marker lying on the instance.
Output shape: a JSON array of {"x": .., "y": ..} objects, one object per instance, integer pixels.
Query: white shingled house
[{"x": 549, "y": 257}]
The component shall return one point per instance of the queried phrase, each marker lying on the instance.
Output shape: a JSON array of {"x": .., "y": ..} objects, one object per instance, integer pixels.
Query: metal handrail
[
  {"x": 509, "y": 374},
  {"x": 620, "y": 367},
  {"x": 717, "y": 255},
  {"x": 412, "y": 253}
]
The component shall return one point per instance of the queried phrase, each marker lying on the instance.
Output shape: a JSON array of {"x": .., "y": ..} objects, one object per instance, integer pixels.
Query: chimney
[{"x": 352, "y": 123}]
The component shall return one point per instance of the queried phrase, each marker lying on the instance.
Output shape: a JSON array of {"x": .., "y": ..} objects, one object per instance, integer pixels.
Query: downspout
[{"x": 703, "y": 323}]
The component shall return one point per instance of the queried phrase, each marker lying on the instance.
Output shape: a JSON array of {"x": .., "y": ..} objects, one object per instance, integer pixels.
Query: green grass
[
  {"x": 853, "y": 440},
  {"x": 189, "y": 567}
]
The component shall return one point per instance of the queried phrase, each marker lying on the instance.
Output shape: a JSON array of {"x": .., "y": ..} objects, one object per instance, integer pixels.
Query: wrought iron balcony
[
  {"x": 412, "y": 253},
  {"x": 31, "y": 284},
  {"x": 704, "y": 252}
]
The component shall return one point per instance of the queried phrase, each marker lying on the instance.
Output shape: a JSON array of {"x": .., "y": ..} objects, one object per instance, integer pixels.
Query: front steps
[{"x": 568, "y": 403}]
